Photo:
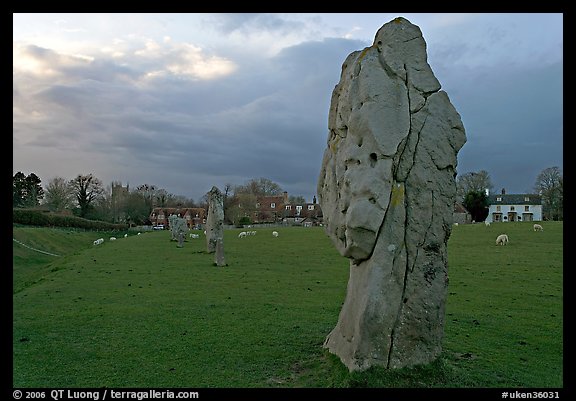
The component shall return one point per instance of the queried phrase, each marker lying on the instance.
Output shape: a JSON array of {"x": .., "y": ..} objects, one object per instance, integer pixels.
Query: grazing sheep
[
  {"x": 194, "y": 236},
  {"x": 242, "y": 234},
  {"x": 99, "y": 241},
  {"x": 456, "y": 224},
  {"x": 275, "y": 233},
  {"x": 138, "y": 234},
  {"x": 502, "y": 239},
  {"x": 112, "y": 238},
  {"x": 125, "y": 235},
  {"x": 538, "y": 227},
  {"x": 486, "y": 223}
]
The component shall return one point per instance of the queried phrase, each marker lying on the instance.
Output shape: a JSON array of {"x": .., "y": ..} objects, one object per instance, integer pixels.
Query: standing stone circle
[{"x": 387, "y": 190}]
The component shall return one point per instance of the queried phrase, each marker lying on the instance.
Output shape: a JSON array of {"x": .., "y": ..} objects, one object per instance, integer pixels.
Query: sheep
[
  {"x": 502, "y": 239},
  {"x": 253, "y": 232},
  {"x": 125, "y": 235},
  {"x": 138, "y": 233},
  {"x": 486, "y": 223},
  {"x": 194, "y": 236},
  {"x": 456, "y": 224},
  {"x": 242, "y": 234},
  {"x": 275, "y": 233},
  {"x": 538, "y": 227},
  {"x": 112, "y": 238},
  {"x": 99, "y": 241}
]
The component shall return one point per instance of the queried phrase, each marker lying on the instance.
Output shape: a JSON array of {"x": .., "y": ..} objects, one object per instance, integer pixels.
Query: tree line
[{"x": 86, "y": 196}]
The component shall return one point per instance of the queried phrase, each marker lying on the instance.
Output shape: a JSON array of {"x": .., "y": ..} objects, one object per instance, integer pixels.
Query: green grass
[{"x": 140, "y": 312}]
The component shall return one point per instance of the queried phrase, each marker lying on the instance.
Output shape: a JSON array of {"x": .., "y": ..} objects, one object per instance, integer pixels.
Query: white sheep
[
  {"x": 99, "y": 241},
  {"x": 456, "y": 224},
  {"x": 253, "y": 232},
  {"x": 138, "y": 234},
  {"x": 194, "y": 236},
  {"x": 125, "y": 235},
  {"x": 538, "y": 227},
  {"x": 242, "y": 234},
  {"x": 502, "y": 239},
  {"x": 112, "y": 238},
  {"x": 486, "y": 223},
  {"x": 275, "y": 233}
]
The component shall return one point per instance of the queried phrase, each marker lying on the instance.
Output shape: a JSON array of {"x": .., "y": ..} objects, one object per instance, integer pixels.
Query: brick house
[
  {"x": 194, "y": 216},
  {"x": 273, "y": 209},
  {"x": 307, "y": 214}
]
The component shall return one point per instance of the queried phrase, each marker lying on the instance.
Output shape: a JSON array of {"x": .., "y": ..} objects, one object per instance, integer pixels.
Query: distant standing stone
[
  {"x": 215, "y": 219},
  {"x": 387, "y": 191}
]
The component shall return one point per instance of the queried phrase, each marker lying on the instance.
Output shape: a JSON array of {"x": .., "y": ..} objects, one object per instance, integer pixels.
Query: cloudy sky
[{"x": 188, "y": 101}]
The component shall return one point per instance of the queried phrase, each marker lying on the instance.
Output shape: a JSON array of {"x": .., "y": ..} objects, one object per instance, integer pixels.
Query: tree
[
  {"x": 148, "y": 193},
  {"x": 58, "y": 195},
  {"x": 18, "y": 189},
  {"x": 26, "y": 190},
  {"x": 476, "y": 202},
  {"x": 550, "y": 185},
  {"x": 473, "y": 181},
  {"x": 297, "y": 199},
  {"x": 259, "y": 187},
  {"x": 244, "y": 205},
  {"x": 86, "y": 188},
  {"x": 137, "y": 209}
]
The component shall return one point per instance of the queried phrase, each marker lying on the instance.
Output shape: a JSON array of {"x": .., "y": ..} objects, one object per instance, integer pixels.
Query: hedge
[{"x": 47, "y": 219}]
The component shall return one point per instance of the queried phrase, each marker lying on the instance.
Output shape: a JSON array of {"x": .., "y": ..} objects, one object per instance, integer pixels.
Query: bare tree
[
  {"x": 259, "y": 187},
  {"x": 550, "y": 185},
  {"x": 59, "y": 195},
  {"x": 86, "y": 188},
  {"x": 473, "y": 182}
]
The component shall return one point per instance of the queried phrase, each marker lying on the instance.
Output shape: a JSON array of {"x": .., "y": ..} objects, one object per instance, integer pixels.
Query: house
[
  {"x": 306, "y": 214},
  {"x": 194, "y": 216},
  {"x": 277, "y": 208},
  {"x": 461, "y": 215},
  {"x": 269, "y": 208},
  {"x": 514, "y": 207}
]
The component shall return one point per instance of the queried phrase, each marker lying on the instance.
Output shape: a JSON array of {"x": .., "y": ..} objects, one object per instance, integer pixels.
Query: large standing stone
[
  {"x": 387, "y": 192},
  {"x": 215, "y": 219}
]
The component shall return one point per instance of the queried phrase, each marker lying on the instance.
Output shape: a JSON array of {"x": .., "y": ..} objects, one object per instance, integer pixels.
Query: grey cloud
[{"x": 247, "y": 23}]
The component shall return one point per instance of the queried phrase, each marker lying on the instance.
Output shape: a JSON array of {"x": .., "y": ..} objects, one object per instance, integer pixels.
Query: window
[
  {"x": 512, "y": 208},
  {"x": 299, "y": 207},
  {"x": 499, "y": 199},
  {"x": 526, "y": 208},
  {"x": 273, "y": 205},
  {"x": 526, "y": 199},
  {"x": 310, "y": 207},
  {"x": 288, "y": 207},
  {"x": 498, "y": 208},
  {"x": 257, "y": 204}
]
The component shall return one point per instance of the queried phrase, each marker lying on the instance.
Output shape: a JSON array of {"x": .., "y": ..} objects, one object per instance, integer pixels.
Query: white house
[{"x": 514, "y": 207}]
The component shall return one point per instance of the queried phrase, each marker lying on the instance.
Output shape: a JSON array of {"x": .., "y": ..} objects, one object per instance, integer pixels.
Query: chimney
[
  {"x": 503, "y": 191},
  {"x": 286, "y": 197},
  {"x": 314, "y": 199}
]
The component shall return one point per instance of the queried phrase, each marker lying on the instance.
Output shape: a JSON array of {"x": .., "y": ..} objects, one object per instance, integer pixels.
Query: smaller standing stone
[
  {"x": 180, "y": 239},
  {"x": 219, "y": 256}
]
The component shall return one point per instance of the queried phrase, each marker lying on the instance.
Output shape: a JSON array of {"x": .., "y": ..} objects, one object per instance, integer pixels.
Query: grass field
[{"x": 140, "y": 312}]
